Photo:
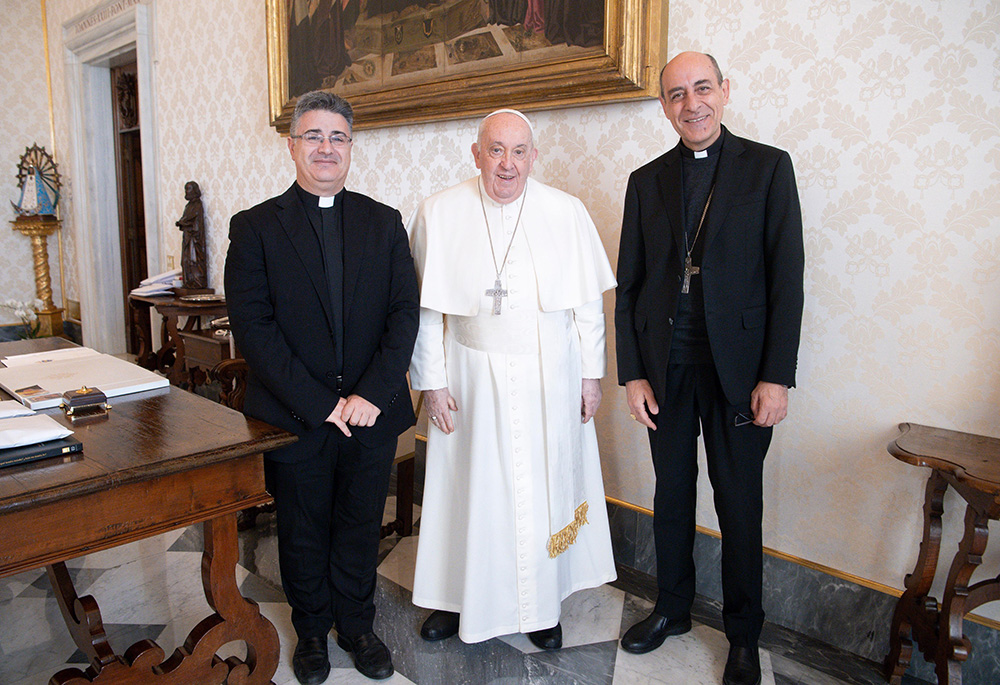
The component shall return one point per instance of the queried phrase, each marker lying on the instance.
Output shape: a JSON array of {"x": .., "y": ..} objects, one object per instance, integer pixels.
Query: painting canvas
[{"x": 400, "y": 61}]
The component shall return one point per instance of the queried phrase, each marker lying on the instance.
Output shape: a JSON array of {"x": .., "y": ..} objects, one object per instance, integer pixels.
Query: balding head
[{"x": 694, "y": 97}]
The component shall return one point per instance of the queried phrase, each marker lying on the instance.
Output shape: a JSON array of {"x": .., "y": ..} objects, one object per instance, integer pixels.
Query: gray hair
[
  {"x": 323, "y": 101},
  {"x": 715, "y": 66}
]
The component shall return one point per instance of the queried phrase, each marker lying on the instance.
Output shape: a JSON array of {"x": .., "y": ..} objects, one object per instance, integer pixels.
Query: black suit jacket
[
  {"x": 751, "y": 270},
  {"x": 281, "y": 317}
]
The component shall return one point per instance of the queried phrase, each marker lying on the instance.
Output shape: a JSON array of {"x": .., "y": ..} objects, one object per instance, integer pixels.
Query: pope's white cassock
[{"x": 514, "y": 518}]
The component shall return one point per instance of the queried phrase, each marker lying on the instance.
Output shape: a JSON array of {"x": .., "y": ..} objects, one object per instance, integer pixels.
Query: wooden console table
[
  {"x": 169, "y": 359},
  {"x": 971, "y": 465},
  {"x": 161, "y": 460}
]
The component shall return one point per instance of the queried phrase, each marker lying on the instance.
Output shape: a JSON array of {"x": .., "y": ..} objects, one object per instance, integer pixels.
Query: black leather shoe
[
  {"x": 548, "y": 639},
  {"x": 371, "y": 656},
  {"x": 311, "y": 661},
  {"x": 742, "y": 666},
  {"x": 439, "y": 625},
  {"x": 649, "y": 633}
]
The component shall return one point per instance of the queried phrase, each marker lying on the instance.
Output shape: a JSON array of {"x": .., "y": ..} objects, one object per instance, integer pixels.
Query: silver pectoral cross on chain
[
  {"x": 497, "y": 292},
  {"x": 689, "y": 271}
]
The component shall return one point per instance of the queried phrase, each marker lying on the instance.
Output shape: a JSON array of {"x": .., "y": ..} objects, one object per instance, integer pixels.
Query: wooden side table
[
  {"x": 971, "y": 465},
  {"x": 169, "y": 359}
]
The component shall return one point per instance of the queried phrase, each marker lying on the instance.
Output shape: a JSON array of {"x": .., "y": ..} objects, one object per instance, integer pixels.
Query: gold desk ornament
[
  {"x": 38, "y": 181},
  {"x": 85, "y": 404}
]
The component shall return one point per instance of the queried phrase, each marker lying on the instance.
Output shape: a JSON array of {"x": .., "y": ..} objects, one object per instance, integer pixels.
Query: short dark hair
[
  {"x": 323, "y": 101},
  {"x": 715, "y": 66}
]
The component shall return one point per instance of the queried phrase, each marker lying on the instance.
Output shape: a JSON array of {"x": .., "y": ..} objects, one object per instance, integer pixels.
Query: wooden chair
[{"x": 232, "y": 376}]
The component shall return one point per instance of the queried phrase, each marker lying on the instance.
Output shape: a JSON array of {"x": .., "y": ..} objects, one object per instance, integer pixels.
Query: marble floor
[{"x": 151, "y": 589}]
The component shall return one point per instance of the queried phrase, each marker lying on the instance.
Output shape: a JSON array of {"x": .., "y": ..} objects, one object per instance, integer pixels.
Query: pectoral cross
[
  {"x": 689, "y": 271},
  {"x": 497, "y": 292}
]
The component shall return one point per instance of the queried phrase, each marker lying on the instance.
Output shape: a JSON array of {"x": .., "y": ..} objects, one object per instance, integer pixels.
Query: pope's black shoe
[
  {"x": 548, "y": 639},
  {"x": 371, "y": 656},
  {"x": 439, "y": 625},
  {"x": 311, "y": 661},
  {"x": 742, "y": 666},
  {"x": 649, "y": 633}
]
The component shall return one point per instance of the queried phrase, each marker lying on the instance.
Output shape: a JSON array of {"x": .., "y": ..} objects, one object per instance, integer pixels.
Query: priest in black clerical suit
[
  {"x": 708, "y": 311},
  {"x": 323, "y": 303}
]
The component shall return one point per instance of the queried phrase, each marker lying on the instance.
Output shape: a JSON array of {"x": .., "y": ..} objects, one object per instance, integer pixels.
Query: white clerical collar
[
  {"x": 500, "y": 205},
  {"x": 326, "y": 201},
  {"x": 698, "y": 154}
]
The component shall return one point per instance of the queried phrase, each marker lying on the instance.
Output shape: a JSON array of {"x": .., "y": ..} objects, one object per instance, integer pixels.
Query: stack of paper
[
  {"x": 39, "y": 379},
  {"x": 27, "y": 438},
  {"x": 161, "y": 284}
]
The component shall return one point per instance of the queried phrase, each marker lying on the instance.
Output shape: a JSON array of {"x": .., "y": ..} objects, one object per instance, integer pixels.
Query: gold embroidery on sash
[{"x": 561, "y": 541}]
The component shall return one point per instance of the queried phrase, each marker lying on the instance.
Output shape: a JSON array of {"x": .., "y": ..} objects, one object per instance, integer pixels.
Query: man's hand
[
  {"x": 439, "y": 405},
  {"x": 769, "y": 403},
  {"x": 591, "y": 398},
  {"x": 640, "y": 400},
  {"x": 359, "y": 412},
  {"x": 337, "y": 419}
]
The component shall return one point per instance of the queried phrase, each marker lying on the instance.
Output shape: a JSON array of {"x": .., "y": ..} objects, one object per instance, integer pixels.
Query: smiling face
[
  {"x": 321, "y": 169},
  {"x": 693, "y": 99},
  {"x": 504, "y": 156}
]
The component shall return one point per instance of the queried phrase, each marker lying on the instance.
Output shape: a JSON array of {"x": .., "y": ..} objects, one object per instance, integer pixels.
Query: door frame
[{"x": 94, "y": 199}]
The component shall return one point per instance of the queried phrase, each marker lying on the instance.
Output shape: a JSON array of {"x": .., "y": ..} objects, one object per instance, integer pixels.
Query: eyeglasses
[
  {"x": 742, "y": 419},
  {"x": 337, "y": 139}
]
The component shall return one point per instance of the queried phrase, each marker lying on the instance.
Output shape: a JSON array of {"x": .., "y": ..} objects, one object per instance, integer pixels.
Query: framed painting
[{"x": 407, "y": 61}]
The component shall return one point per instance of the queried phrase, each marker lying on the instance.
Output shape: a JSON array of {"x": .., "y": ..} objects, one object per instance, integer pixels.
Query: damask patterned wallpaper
[
  {"x": 24, "y": 121},
  {"x": 891, "y": 113}
]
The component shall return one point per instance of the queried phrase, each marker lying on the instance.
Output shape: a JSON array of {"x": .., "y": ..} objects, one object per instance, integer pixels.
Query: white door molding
[{"x": 89, "y": 47}]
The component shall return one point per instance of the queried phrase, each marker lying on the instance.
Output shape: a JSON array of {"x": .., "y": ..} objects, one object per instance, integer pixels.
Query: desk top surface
[
  {"x": 972, "y": 459},
  {"x": 146, "y": 435}
]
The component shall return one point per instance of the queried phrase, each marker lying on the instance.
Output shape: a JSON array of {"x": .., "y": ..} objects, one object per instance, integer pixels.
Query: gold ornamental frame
[{"x": 625, "y": 67}]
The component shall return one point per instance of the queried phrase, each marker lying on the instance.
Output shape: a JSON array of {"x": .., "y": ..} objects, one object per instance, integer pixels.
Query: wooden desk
[
  {"x": 169, "y": 358},
  {"x": 971, "y": 465},
  {"x": 162, "y": 460}
]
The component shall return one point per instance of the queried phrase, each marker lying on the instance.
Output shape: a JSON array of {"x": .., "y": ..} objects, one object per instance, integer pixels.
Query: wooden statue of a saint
[{"x": 194, "y": 259}]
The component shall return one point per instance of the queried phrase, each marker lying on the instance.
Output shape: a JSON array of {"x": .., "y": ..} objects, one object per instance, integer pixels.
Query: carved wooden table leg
[
  {"x": 916, "y": 612},
  {"x": 176, "y": 373},
  {"x": 165, "y": 355},
  {"x": 195, "y": 662},
  {"x": 953, "y": 646},
  {"x": 82, "y": 616},
  {"x": 143, "y": 326}
]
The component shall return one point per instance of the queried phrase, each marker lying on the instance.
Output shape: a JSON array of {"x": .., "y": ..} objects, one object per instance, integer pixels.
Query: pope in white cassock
[{"x": 509, "y": 355}]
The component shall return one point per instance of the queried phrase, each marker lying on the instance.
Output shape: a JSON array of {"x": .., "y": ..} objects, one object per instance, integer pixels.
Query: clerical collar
[
  {"x": 712, "y": 149},
  {"x": 311, "y": 200}
]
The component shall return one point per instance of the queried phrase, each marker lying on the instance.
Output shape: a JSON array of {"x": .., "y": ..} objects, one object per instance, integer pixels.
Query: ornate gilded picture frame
[{"x": 408, "y": 61}]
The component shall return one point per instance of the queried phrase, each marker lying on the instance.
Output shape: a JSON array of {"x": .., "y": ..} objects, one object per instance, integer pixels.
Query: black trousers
[
  {"x": 329, "y": 514},
  {"x": 735, "y": 467}
]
